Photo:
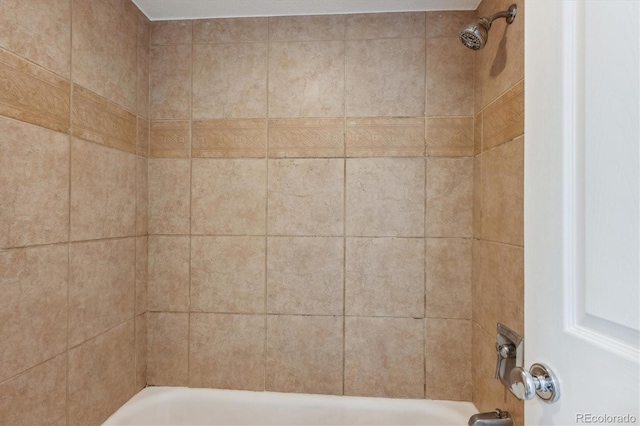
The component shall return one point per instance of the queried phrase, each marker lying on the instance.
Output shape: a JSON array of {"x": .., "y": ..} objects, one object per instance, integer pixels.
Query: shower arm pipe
[{"x": 508, "y": 15}]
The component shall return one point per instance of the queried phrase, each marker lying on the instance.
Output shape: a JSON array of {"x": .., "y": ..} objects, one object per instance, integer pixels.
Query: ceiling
[{"x": 158, "y": 10}]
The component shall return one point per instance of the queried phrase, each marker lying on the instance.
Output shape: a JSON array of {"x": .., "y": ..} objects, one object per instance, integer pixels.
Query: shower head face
[{"x": 474, "y": 36}]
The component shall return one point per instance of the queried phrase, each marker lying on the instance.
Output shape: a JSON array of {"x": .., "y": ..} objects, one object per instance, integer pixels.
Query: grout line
[
  {"x": 500, "y": 144},
  {"x": 64, "y": 353},
  {"x": 424, "y": 358},
  {"x": 135, "y": 220},
  {"x": 190, "y": 205},
  {"x": 344, "y": 215},
  {"x": 500, "y": 95},
  {"x": 273, "y": 314},
  {"x": 344, "y": 275},
  {"x": 266, "y": 216},
  {"x": 71, "y": 88},
  {"x": 425, "y": 215},
  {"x": 281, "y": 236},
  {"x": 500, "y": 243}
]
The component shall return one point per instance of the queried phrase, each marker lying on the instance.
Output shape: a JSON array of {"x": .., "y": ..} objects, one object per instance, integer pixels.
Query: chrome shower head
[{"x": 474, "y": 36}]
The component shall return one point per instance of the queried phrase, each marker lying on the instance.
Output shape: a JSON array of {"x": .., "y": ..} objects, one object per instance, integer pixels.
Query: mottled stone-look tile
[
  {"x": 230, "y": 80},
  {"x": 103, "y": 192},
  {"x": 104, "y": 51},
  {"x": 500, "y": 64},
  {"x": 230, "y": 30},
  {"x": 385, "y": 78},
  {"x": 385, "y": 197},
  {"x": 142, "y": 273},
  {"x": 499, "y": 286},
  {"x": 34, "y": 185},
  {"x": 385, "y": 25},
  {"x": 384, "y": 357},
  {"x": 142, "y": 140},
  {"x": 35, "y": 95},
  {"x": 171, "y": 32},
  {"x": 448, "y": 23},
  {"x": 39, "y": 31},
  {"x": 101, "y": 287},
  {"x": 169, "y": 139},
  {"x": 228, "y": 197},
  {"x": 239, "y": 138},
  {"x": 477, "y": 134},
  {"x": 306, "y": 197},
  {"x": 167, "y": 349},
  {"x": 170, "y": 82},
  {"x": 306, "y": 137},
  {"x": 142, "y": 195},
  {"x": 304, "y": 275},
  {"x": 477, "y": 196},
  {"x": 227, "y": 274},
  {"x": 101, "y": 375},
  {"x": 503, "y": 120},
  {"x": 33, "y": 310},
  {"x": 385, "y": 277},
  {"x": 37, "y": 397},
  {"x": 503, "y": 193},
  {"x": 449, "y": 77},
  {"x": 304, "y": 354},
  {"x": 168, "y": 273},
  {"x": 449, "y": 197},
  {"x": 169, "y": 199},
  {"x": 448, "y": 359},
  {"x": 385, "y": 137},
  {"x": 97, "y": 120},
  {"x": 450, "y": 137},
  {"x": 144, "y": 33},
  {"x": 141, "y": 352},
  {"x": 304, "y": 28},
  {"x": 227, "y": 351},
  {"x": 129, "y": 13},
  {"x": 448, "y": 267},
  {"x": 478, "y": 312},
  {"x": 306, "y": 79}
]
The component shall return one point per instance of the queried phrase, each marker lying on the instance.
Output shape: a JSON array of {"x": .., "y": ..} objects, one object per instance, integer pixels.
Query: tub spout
[{"x": 492, "y": 418}]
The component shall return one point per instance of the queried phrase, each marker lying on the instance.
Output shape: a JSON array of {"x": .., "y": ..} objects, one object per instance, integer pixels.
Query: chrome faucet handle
[
  {"x": 539, "y": 380},
  {"x": 504, "y": 351}
]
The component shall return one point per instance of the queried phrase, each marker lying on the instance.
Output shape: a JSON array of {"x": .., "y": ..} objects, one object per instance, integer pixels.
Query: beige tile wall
[
  {"x": 73, "y": 216},
  {"x": 292, "y": 162},
  {"x": 498, "y": 184},
  {"x": 310, "y": 204}
]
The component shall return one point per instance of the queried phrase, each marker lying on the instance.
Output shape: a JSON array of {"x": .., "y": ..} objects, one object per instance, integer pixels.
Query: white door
[{"x": 582, "y": 195}]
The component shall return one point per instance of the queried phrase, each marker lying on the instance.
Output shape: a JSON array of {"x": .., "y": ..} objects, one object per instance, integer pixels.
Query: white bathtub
[{"x": 186, "y": 406}]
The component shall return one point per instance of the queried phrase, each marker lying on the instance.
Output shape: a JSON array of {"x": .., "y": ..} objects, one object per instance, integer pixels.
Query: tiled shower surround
[
  {"x": 302, "y": 235},
  {"x": 498, "y": 222},
  {"x": 297, "y": 204}
]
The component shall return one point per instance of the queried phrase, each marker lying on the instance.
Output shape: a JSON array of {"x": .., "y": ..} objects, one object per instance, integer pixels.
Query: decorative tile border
[
  {"x": 169, "y": 139},
  {"x": 385, "y": 137},
  {"x": 142, "y": 146},
  {"x": 450, "y": 137},
  {"x": 306, "y": 137},
  {"x": 244, "y": 138},
  {"x": 32, "y": 94},
  {"x": 503, "y": 120},
  {"x": 97, "y": 120}
]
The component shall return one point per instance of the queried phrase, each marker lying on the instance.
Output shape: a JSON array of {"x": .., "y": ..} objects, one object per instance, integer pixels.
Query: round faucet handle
[{"x": 539, "y": 380}]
